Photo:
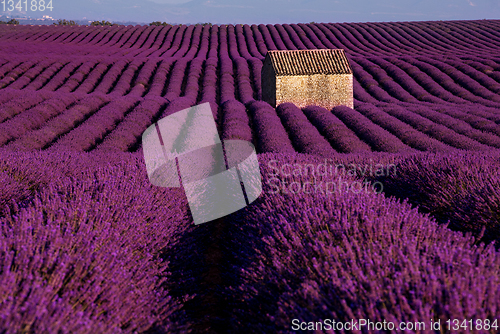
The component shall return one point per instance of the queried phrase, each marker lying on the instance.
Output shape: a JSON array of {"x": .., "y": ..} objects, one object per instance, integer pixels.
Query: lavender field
[{"x": 89, "y": 245}]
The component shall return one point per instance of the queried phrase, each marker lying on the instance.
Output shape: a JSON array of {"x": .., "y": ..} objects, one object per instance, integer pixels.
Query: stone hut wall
[{"x": 319, "y": 77}]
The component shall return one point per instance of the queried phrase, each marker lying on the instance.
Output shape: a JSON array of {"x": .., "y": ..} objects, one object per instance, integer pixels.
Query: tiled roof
[{"x": 306, "y": 62}]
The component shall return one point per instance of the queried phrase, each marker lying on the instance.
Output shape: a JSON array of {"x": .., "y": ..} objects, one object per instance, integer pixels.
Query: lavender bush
[{"x": 88, "y": 245}]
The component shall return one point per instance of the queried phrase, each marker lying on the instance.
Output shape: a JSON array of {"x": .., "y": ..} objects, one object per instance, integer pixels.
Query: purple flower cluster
[
  {"x": 305, "y": 137},
  {"x": 456, "y": 125},
  {"x": 378, "y": 138},
  {"x": 34, "y": 117},
  {"x": 88, "y": 245},
  {"x": 66, "y": 121},
  {"x": 236, "y": 124},
  {"x": 9, "y": 94},
  {"x": 350, "y": 256},
  {"x": 407, "y": 134},
  {"x": 86, "y": 256},
  {"x": 341, "y": 138},
  {"x": 432, "y": 129},
  {"x": 125, "y": 136},
  {"x": 272, "y": 136},
  {"x": 91, "y": 132},
  {"x": 460, "y": 188}
]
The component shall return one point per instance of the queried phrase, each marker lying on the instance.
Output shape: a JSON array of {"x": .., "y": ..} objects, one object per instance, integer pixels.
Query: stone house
[{"x": 321, "y": 77}]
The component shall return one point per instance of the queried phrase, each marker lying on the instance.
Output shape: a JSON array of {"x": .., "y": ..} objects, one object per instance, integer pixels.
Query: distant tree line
[
  {"x": 12, "y": 21},
  {"x": 103, "y": 23},
  {"x": 158, "y": 23},
  {"x": 65, "y": 23}
]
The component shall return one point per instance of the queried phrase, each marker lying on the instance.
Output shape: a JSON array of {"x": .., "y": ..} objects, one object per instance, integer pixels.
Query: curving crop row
[
  {"x": 86, "y": 256},
  {"x": 478, "y": 122},
  {"x": 378, "y": 138},
  {"x": 421, "y": 77},
  {"x": 405, "y": 81},
  {"x": 367, "y": 81},
  {"x": 93, "y": 79},
  {"x": 126, "y": 135},
  {"x": 95, "y": 128},
  {"x": 66, "y": 121},
  {"x": 407, "y": 134},
  {"x": 456, "y": 125},
  {"x": 34, "y": 117},
  {"x": 28, "y": 76},
  {"x": 341, "y": 138},
  {"x": 236, "y": 123},
  {"x": 434, "y": 130},
  {"x": 270, "y": 133},
  {"x": 387, "y": 83},
  {"x": 75, "y": 80},
  {"x": 304, "y": 136},
  {"x": 20, "y": 102}
]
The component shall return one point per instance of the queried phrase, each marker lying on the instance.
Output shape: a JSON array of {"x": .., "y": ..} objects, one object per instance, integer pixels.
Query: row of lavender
[
  {"x": 195, "y": 51},
  {"x": 96, "y": 121},
  {"x": 377, "y": 79},
  {"x": 89, "y": 245},
  {"x": 229, "y": 77},
  {"x": 23, "y": 111},
  {"x": 83, "y": 244},
  {"x": 362, "y": 39},
  {"x": 350, "y": 254}
]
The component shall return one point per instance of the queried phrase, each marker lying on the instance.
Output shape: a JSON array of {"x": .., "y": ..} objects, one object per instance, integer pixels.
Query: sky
[{"x": 267, "y": 11}]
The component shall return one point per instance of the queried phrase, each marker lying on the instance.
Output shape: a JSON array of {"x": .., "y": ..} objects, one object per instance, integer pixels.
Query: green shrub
[
  {"x": 101, "y": 23},
  {"x": 65, "y": 23},
  {"x": 158, "y": 23},
  {"x": 12, "y": 21}
]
